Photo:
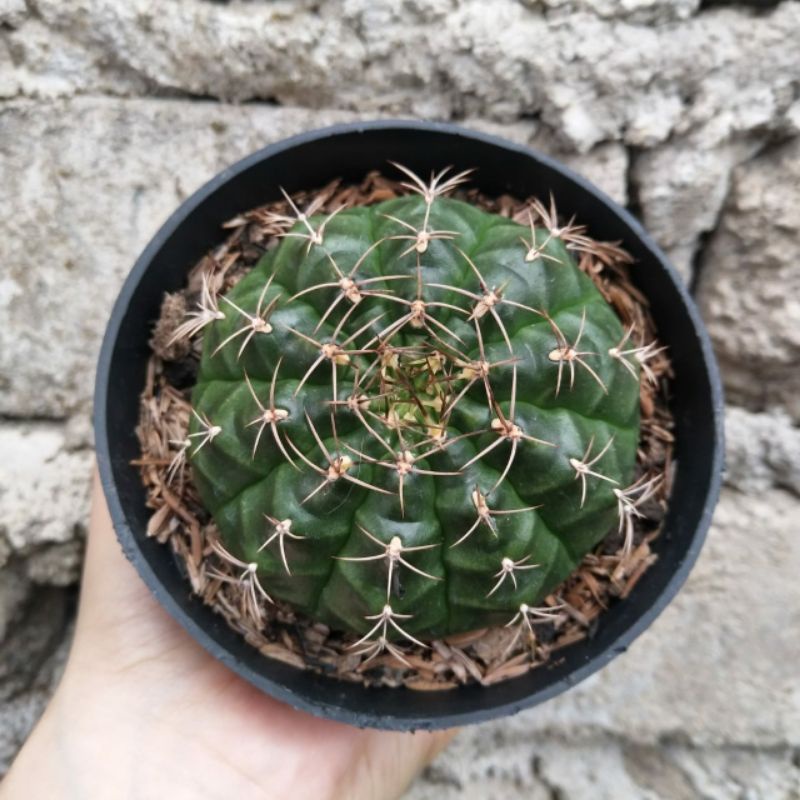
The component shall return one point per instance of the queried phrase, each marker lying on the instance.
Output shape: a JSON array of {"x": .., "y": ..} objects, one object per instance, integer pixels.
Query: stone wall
[{"x": 687, "y": 110}]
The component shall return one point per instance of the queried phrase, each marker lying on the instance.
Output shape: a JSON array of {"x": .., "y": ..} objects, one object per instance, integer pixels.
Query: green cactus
[{"x": 414, "y": 418}]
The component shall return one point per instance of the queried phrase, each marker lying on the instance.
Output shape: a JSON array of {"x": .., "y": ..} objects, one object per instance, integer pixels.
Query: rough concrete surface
[
  {"x": 113, "y": 112},
  {"x": 750, "y": 282}
]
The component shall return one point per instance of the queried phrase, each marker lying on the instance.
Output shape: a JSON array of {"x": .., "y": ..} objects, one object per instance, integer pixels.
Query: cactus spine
[{"x": 414, "y": 418}]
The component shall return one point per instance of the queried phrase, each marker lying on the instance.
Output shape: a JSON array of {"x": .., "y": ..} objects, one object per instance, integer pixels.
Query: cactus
[{"x": 414, "y": 418}]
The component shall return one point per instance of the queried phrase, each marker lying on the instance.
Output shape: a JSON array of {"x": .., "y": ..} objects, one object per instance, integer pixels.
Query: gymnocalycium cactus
[{"x": 414, "y": 418}]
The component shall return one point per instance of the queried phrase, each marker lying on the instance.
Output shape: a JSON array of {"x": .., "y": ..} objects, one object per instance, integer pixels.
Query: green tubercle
[{"x": 420, "y": 416}]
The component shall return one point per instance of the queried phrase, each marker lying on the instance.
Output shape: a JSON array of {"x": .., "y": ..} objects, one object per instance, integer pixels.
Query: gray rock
[
  {"x": 56, "y": 565},
  {"x": 17, "y": 718},
  {"x": 44, "y": 491},
  {"x": 763, "y": 450},
  {"x": 544, "y": 768},
  {"x": 681, "y": 188},
  {"x": 750, "y": 283},
  {"x": 639, "y": 76},
  {"x": 32, "y": 640},
  {"x": 605, "y": 165},
  {"x": 12, "y": 12},
  {"x": 45, "y": 63},
  {"x": 641, "y": 12},
  {"x": 32, "y": 658},
  {"x": 78, "y": 432},
  {"x": 745, "y": 773},
  {"x": 5, "y": 550},
  {"x": 14, "y": 591}
]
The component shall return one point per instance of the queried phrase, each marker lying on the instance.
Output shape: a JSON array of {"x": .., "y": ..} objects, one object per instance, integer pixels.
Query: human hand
[{"x": 142, "y": 711}]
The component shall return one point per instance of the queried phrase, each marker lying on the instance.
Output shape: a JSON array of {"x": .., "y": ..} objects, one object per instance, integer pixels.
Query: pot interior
[{"x": 349, "y": 152}]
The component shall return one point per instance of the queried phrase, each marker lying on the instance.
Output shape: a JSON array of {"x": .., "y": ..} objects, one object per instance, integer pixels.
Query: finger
[
  {"x": 389, "y": 762},
  {"x": 118, "y": 618},
  {"x": 108, "y": 577}
]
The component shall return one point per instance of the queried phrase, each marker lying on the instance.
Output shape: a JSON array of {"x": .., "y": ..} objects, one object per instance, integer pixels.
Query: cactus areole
[{"x": 414, "y": 418}]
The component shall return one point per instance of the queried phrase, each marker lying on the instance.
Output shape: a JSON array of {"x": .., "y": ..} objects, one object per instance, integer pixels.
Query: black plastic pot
[{"x": 349, "y": 151}]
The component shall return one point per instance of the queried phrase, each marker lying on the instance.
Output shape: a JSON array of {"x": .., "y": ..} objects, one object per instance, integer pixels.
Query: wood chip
[
  {"x": 430, "y": 686},
  {"x": 280, "y": 653}
]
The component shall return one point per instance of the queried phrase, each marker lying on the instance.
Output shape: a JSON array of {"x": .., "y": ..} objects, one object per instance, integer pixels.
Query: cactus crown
[{"x": 414, "y": 418}]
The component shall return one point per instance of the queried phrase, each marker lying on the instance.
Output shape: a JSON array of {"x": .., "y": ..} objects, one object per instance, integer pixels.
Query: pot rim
[{"x": 456, "y": 715}]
